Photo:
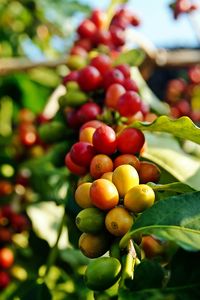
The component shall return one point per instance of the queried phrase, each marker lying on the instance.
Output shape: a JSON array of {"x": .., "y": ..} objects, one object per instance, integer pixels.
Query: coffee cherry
[
  {"x": 130, "y": 85},
  {"x": 4, "y": 280},
  {"x": 117, "y": 36},
  {"x": 149, "y": 172},
  {"x": 82, "y": 153},
  {"x": 73, "y": 167},
  {"x": 88, "y": 111},
  {"x": 129, "y": 104},
  {"x": 6, "y": 258},
  {"x": 112, "y": 76},
  {"x": 125, "y": 69},
  {"x": 72, "y": 76},
  {"x": 98, "y": 18},
  {"x": 104, "y": 194},
  {"x": 102, "y": 63},
  {"x": 130, "y": 141},
  {"x": 118, "y": 221},
  {"x": 100, "y": 164},
  {"x": 89, "y": 79},
  {"x": 77, "y": 50},
  {"x": 87, "y": 29},
  {"x": 104, "y": 140},
  {"x": 113, "y": 93}
]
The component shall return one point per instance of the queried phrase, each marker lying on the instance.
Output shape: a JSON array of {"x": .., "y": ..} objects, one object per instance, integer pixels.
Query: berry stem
[
  {"x": 128, "y": 263},
  {"x": 54, "y": 250}
]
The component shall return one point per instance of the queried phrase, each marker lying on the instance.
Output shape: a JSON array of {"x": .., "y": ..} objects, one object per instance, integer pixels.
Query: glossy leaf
[
  {"x": 141, "y": 281},
  {"x": 132, "y": 57},
  {"x": 182, "y": 128},
  {"x": 175, "y": 219},
  {"x": 177, "y": 187},
  {"x": 183, "y": 280},
  {"x": 46, "y": 218},
  {"x": 166, "y": 151}
]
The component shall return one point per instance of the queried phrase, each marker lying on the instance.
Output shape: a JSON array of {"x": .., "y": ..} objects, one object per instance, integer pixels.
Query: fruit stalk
[
  {"x": 128, "y": 264},
  {"x": 54, "y": 250}
]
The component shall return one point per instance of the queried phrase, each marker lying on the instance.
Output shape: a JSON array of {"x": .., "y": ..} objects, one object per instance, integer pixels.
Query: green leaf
[
  {"x": 182, "y": 128},
  {"x": 175, "y": 219},
  {"x": 188, "y": 292},
  {"x": 132, "y": 57},
  {"x": 142, "y": 281},
  {"x": 181, "y": 265},
  {"x": 147, "y": 95},
  {"x": 46, "y": 218},
  {"x": 74, "y": 258},
  {"x": 177, "y": 187},
  {"x": 32, "y": 290},
  {"x": 182, "y": 284},
  {"x": 166, "y": 151}
]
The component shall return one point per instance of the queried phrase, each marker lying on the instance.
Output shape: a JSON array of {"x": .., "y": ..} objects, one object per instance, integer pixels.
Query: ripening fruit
[
  {"x": 72, "y": 76},
  {"x": 113, "y": 93},
  {"x": 102, "y": 62},
  {"x": 130, "y": 141},
  {"x": 124, "y": 178},
  {"x": 93, "y": 123},
  {"x": 104, "y": 140},
  {"x": 130, "y": 85},
  {"x": 6, "y": 258},
  {"x": 4, "y": 280},
  {"x": 129, "y": 104},
  {"x": 89, "y": 79},
  {"x": 73, "y": 167},
  {"x": 117, "y": 35},
  {"x": 87, "y": 29},
  {"x": 112, "y": 76},
  {"x": 82, "y": 153},
  {"x": 107, "y": 175},
  {"x": 82, "y": 195},
  {"x": 118, "y": 221},
  {"x": 92, "y": 245},
  {"x": 102, "y": 273},
  {"x": 76, "y": 62},
  {"x": 125, "y": 69},
  {"x": 88, "y": 111},
  {"x": 149, "y": 172},
  {"x": 90, "y": 220},
  {"x": 86, "y": 135},
  {"x": 100, "y": 164},
  {"x": 104, "y": 194},
  {"x": 139, "y": 198},
  {"x": 127, "y": 159},
  {"x": 152, "y": 247},
  {"x": 98, "y": 17}
]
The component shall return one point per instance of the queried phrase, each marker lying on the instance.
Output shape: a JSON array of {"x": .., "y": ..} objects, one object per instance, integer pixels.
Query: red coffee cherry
[
  {"x": 130, "y": 140},
  {"x": 89, "y": 79},
  {"x": 129, "y": 104},
  {"x": 82, "y": 153}
]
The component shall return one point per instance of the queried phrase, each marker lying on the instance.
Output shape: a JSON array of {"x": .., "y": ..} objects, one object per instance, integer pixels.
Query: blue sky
[{"x": 158, "y": 24}]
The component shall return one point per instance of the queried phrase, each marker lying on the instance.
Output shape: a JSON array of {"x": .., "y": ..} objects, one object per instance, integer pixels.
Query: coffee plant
[{"x": 104, "y": 201}]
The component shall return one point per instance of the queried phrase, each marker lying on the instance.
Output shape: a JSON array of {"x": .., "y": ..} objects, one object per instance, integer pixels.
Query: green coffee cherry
[
  {"x": 73, "y": 99},
  {"x": 76, "y": 62},
  {"x": 102, "y": 273},
  {"x": 52, "y": 132},
  {"x": 72, "y": 86},
  {"x": 90, "y": 220}
]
